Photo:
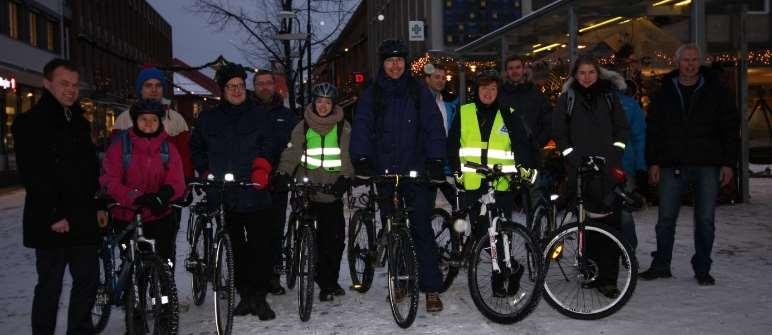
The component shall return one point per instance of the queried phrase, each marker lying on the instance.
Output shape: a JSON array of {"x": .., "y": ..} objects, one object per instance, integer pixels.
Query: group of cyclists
[{"x": 401, "y": 124}]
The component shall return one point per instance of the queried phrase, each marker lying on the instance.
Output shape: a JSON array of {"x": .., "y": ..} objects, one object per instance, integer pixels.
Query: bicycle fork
[{"x": 492, "y": 233}]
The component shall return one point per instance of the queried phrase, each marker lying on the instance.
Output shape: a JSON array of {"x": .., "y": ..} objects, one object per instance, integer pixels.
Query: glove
[
  {"x": 280, "y": 183},
  {"x": 363, "y": 169},
  {"x": 436, "y": 171},
  {"x": 261, "y": 169},
  {"x": 341, "y": 186},
  {"x": 150, "y": 201}
]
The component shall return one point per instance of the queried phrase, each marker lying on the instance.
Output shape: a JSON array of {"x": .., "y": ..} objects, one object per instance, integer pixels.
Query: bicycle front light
[
  {"x": 460, "y": 225},
  {"x": 557, "y": 252},
  {"x": 229, "y": 177},
  {"x": 554, "y": 197},
  {"x": 413, "y": 174},
  {"x": 305, "y": 179}
]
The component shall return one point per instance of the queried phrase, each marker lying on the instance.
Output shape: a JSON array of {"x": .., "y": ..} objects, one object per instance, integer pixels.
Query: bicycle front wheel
[
  {"x": 595, "y": 282},
  {"x": 162, "y": 309},
  {"x": 361, "y": 247},
  {"x": 198, "y": 260},
  {"x": 402, "y": 277},
  {"x": 291, "y": 252},
  {"x": 100, "y": 314},
  {"x": 223, "y": 285},
  {"x": 306, "y": 272},
  {"x": 511, "y": 293}
]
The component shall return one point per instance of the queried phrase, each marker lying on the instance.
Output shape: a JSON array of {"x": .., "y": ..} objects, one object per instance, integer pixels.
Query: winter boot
[{"x": 261, "y": 309}]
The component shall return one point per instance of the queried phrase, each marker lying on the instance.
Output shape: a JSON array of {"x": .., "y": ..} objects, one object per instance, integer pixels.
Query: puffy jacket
[
  {"x": 58, "y": 167},
  {"x": 706, "y": 134},
  {"x": 283, "y": 120},
  {"x": 399, "y": 137},
  {"x": 634, "y": 158},
  {"x": 532, "y": 106},
  {"x": 227, "y": 139},
  {"x": 145, "y": 173}
]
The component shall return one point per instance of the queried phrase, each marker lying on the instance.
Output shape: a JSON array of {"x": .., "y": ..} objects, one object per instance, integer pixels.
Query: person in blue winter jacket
[{"x": 398, "y": 127}]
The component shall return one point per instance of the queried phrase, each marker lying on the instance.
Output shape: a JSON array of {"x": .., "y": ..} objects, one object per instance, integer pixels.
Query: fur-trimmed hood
[{"x": 614, "y": 79}]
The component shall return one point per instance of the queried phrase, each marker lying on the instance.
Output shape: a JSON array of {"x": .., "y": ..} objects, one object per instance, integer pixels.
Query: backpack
[{"x": 126, "y": 150}]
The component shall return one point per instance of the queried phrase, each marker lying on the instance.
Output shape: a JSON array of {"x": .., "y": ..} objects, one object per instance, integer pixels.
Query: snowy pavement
[{"x": 738, "y": 304}]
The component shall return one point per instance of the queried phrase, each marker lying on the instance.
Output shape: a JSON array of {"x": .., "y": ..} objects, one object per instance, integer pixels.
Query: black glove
[
  {"x": 341, "y": 186},
  {"x": 280, "y": 183},
  {"x": 436, "y": 171},
  {"x": 363, "y": 168},
  {"x": 156, "y": 202}
]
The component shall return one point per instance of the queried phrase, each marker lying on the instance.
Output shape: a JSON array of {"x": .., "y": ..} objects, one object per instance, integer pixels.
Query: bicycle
[
  {"x": 503, "y": 296},
  {"x": 211, "y": 252},
  {"x": 361, "y": 239},
  {"x": 452, "y": 233},
  {"x": 143, "y": 284},
  {"x": 574, "y": 283},
  {"x": 300, "y": 242}
]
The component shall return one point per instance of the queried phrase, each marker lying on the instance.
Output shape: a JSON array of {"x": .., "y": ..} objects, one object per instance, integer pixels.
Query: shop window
[
  {"x": 449, "y": 38},
  {"x": 460, "y": 27},
  {"x": 10, "y": 113},
  {"x": 13, "y": 20},
  {"x": 33, "y": 29}
]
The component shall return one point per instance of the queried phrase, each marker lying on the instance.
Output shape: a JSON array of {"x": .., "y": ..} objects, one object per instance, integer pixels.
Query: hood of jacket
[{"x": 609, "y": 79}]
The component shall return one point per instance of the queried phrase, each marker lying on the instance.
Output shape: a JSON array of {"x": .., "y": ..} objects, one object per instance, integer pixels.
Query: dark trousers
[
  {"x": 330, "y": 241},
  {"x": 251, "y": 250},
  {"x": 50, "y": 264},
  {"x": 279, "y": 218},
  {"x": 603, "y": 251},
  {"x": 504, "y": 201},
  {"x": 163, "y": 231},
  {"x": 421, "y": 200}
]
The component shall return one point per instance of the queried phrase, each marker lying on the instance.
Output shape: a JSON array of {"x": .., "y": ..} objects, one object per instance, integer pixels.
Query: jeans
[{"x": 671, "y": 187}]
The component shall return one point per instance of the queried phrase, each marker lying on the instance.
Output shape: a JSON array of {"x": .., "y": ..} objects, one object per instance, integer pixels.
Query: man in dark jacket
[
  {"x": 397, "y": 127},
  {"x": 58, "y": 167},
  {"x": 271, "y": 105},
  {"x": 528, "y": 102},
  {"x": 234, "y": 137},
  {"x": 692, "y": 137}
]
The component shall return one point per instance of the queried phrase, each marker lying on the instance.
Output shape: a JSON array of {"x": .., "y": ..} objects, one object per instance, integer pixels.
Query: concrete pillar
[
  {"x": 742, "y": 97},
  {"x": 573, "y": 33},
  {"x": 436, "y": 26},
  {"x": 697, "y": 25}
]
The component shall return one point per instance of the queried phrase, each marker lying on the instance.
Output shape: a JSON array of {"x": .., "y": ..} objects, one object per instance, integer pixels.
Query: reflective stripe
[
  {"x": 314, "y": 151},
  {"x": 332, "y": 163},
  {"x": 568, "y": 151},
  {"x": 310, "y": 160},
  {"x": 508, "y": 168},
  {"x": 466, "y": 169},
  {"x": 323, "y": 151},
  {"x": 470, "y": 152},
  {"x": 619, "y": 145},
  {"x": 328, "y": 163},
  {"x": 501, "y": 154}
]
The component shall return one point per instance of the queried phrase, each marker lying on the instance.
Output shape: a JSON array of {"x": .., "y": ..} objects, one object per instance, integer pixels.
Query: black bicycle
[
  {"x": 361, "y": 238},
  {"x": 453, "y": 235},
  {"x": 300, "y": 242},
  {"x": 582, "y": 281},
  {"x": 211, "y": 253},
  {"x": 143, "y": 283}
]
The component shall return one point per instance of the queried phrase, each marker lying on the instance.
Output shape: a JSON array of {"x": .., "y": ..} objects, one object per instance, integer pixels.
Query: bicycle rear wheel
[
  {"x": 306, "y": 272},
  {"x": 588, "y": 287},
  {"x": 402, "y": 277},
  {"x": 447, "y": 240},
  {"x": 100, "y": 314},
  {"x": 199, "y": 257},
  {"x": 291, "y": 252},
  {"x": 162, "y": 310},
  {"x": 223, "y": 284},
  {"x": 513, "y": 293},
  {"x": 361, "y": 247}
]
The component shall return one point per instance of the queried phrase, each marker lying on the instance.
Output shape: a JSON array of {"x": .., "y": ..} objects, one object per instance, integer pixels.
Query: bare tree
[{"x": 261, "y": 22}]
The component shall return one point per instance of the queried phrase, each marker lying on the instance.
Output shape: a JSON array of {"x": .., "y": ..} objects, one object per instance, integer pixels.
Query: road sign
[{"x": 415, "y": 30}]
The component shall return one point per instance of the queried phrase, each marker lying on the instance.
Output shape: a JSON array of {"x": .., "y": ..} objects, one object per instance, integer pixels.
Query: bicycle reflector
[
  {"x": 210, "y": 177},
  {"x": 229, "y": 177},
  {"x": 619, "y": 175},
  {"x": 557, "y": 252}
]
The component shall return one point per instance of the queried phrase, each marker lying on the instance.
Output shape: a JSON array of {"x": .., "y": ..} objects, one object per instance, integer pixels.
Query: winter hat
[
  {"x": 146, "y": 74},
  {"x": 228, "y": 72},
  {"x": 147, "y": 106},
  {"x": 392, "y": 48}
]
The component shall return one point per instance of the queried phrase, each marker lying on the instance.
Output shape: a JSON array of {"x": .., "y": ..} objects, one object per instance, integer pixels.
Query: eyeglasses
[{"x": 237, "y": 87}]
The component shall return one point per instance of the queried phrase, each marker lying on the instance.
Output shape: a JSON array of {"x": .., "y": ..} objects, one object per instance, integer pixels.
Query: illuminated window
[
  {"x": 13, "y": 20},
  {"x": 33, "y": 29},
  {"x": 50, "y": 36},
  {"x": 483, "y": 3}
]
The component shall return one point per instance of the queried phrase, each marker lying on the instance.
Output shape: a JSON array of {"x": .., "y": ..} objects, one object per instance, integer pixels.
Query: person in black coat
[
  {"x": 234, "y": 137},
  {"x": 593, "y": 125},
  {"x": 58, "y": 167}
]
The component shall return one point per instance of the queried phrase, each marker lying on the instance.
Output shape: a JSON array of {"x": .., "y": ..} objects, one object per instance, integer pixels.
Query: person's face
[
  {"x": 323, "y": 106},
  {"x": 587, "y": 75},
  {"x": 689, "y": 63},
  {"x": 516, "y": 71},
  {"x": 265, "y": 86},
  {"x": 63, "y": 86},
  {"x": 152, "y": 89},
  {"x": 235, "y": 91},
  {"x": 436, "y": 80},
  {"x": 147, "y": 123},
  {"x": 394, "y": 67},
  {"x": 488, "y": 93}
]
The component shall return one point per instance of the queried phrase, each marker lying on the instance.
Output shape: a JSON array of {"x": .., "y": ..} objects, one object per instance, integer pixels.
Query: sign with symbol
[{"x": 415, "y": 30}]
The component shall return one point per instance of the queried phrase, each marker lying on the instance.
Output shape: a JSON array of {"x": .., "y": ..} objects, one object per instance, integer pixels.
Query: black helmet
[
  {"x": 229, "y": 71},
  {"x": 147, "y": 106},
  {"x": 488, "y": 74},
  {"x": 325, "y": 90},
  {"x": 392, "y": 48}
]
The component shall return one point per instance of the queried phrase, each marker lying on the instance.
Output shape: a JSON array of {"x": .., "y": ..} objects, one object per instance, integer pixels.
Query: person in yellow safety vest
[
  {"x": 318, "y": 149},
  {"x": 486, "y": 133}
]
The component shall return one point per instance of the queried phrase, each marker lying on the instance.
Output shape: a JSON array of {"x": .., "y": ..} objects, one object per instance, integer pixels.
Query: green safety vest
[
  {"x": 499, "y": 149},
  {"x": 322, "y": 151}
]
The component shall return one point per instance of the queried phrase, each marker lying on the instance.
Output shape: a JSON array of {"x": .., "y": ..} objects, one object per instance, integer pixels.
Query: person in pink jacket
[{"x": 145, "y": 172}]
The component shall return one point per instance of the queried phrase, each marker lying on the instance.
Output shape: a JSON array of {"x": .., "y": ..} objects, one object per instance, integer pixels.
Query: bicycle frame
[{"x": 128, "y": 254}]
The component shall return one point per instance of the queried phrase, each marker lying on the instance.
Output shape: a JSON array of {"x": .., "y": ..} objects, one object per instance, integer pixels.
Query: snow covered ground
[{"x": 738, "y": 304}]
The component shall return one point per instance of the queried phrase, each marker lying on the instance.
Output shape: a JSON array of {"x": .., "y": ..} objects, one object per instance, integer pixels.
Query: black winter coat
[
  {"x": 706, "y": 134},
  {"x": 283, "y": 123},
  {"x": 227, "y": 139},
  {"x": 531, "y": 105},
  {"x": 59, "y": 169}
]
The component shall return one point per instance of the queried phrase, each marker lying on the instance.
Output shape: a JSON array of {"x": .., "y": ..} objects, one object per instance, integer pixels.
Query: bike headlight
[
  {"x": 413, "y": 174},
  {"x": 460, "y": 225},
  {"x": 229, "y": 177},
  {"x": 210, "y": 177},
  {"x": 554, "y": 197},
  {"x": 305, "y": 179}
]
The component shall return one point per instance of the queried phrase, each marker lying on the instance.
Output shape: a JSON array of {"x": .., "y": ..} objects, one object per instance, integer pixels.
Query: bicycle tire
[
  {"x": 100, "y": 313},
  {"x": 553, "y": 261},
  {"x": 224, "y": 290},
  {"x": 524, "y": 302},
  {"x": 361, "y": 247},
  {"x": 291, "y": 251},
  {"x": 402, "y": 275},
  {"x": 538, "y": 225},
  {"x": 306, "y": 272},
  {"x": 447, "y": 240},
  {"x": 131, "y": 301},
  {"x": 163, "y": 304},
  {"x": 200, "y": 252}
]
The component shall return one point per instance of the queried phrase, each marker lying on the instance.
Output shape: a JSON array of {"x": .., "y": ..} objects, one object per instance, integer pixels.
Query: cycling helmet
[
  {"x": 488, "y": 74},
  {"x": 325, "y": 90},
  {"x": 147, "y": 106}
]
